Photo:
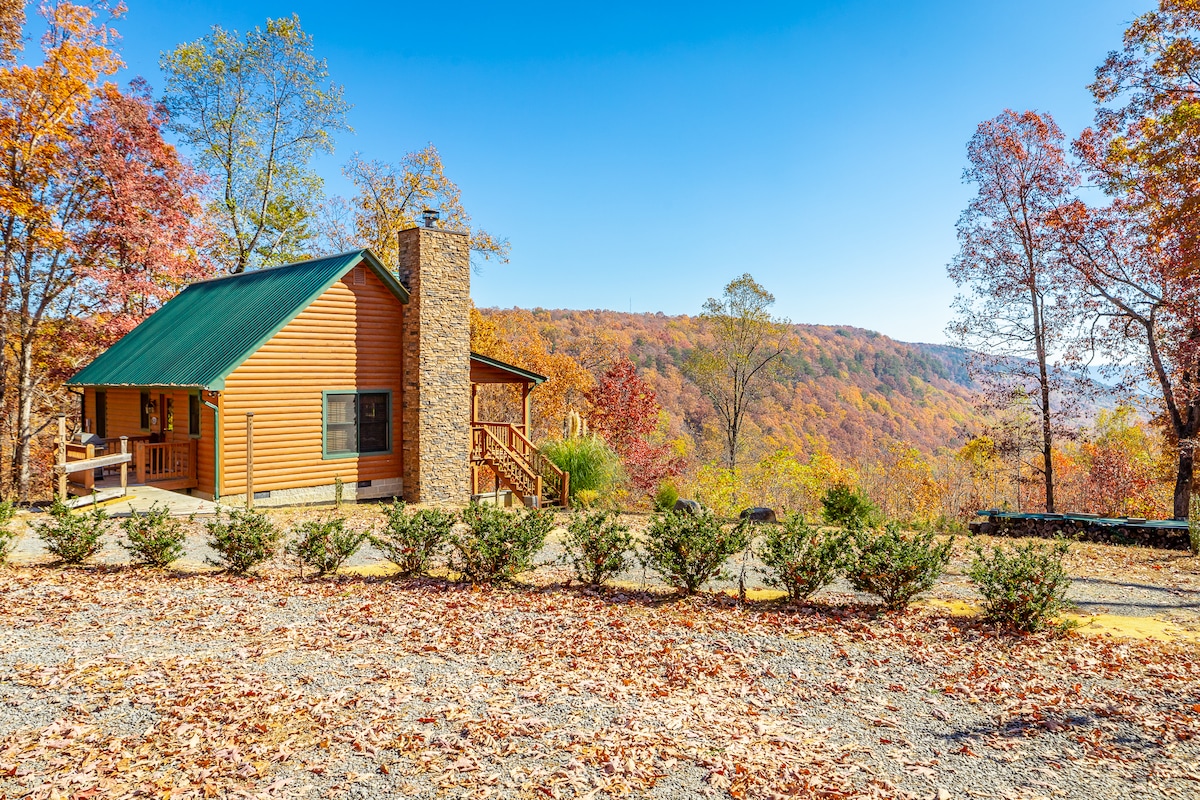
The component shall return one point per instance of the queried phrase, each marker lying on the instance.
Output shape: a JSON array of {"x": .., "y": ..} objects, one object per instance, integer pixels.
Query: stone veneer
[{"x": 435, "y": 266}]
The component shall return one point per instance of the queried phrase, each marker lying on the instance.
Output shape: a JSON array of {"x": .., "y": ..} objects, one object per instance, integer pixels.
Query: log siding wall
[{"x": 347, "y": 339}]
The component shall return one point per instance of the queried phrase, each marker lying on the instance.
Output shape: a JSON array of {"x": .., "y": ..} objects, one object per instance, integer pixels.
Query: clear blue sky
[{"x": 639, "y": 155}]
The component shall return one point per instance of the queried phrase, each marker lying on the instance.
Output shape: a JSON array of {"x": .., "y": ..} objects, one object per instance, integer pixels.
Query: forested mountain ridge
[{"x": 845, "y": 390}]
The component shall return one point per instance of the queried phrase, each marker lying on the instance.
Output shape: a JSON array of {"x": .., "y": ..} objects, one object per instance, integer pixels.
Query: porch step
[{"x": 99, "y": 496}]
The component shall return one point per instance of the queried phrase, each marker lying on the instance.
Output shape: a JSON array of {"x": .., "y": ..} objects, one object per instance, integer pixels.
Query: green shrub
[
  {"x": 802, "y": 558},
  {"x": 325, "y": 544},
  {"x": 895, "y": 566},
  {"x": 848, "y": 508},
  {"x": 593, "y": 465},
  {"x": 153, "y": 538},
  {"x": 597, "y": 546},
  {"x": 242, "y": 542},
  {"x": 666, "y": 497},
  {"x": 689, "y": 550},
  {"x": 74, "y": 538},
  {"x": 7, "y": 537},
  {"x": 410, "y": 541},
  {"x": 1023, "y": 588},
  {"x": 496, "y": 544}
]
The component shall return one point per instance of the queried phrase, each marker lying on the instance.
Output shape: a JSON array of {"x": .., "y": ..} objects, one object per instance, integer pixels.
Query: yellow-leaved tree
[{"x": 392, "y": 197}]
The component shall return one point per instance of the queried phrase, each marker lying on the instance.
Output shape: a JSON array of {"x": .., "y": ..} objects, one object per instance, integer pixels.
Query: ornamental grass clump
[
  {"x": 895, "y": 566},
  {"x": 688, "y": 550},
  {"x": 153, "y": 537},
  {"x": 7, "y": 537},
  {"x": 496, "y": 545},
  {"x": 594, "y": 466},
  {"x": 801, "y": 558},
  {"x": 411, "y": 541},
  {"x": 73, "y": 538},
  {"x": 243, "y": 540},
  {"x": 598, "y": 547},
  {"x": 1024, "y": 588},
  {"x": 325, "y": 544}
]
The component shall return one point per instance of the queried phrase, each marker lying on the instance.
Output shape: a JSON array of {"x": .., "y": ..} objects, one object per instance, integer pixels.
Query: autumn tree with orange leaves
[
  {"x": 1145, "y": 144},
  {"x": 520, "y": 337},
  {"x": 96, "y": 220},
  {"x": 1005, "y": 263}
]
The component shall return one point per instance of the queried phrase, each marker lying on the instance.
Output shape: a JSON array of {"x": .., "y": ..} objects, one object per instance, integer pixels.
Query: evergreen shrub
[
  {"x": 242, "y": 540},
  {"x": 666, "y": 497},
  {"x": 153, "y": 537},
  {"x": 325, "y": 544},
  {"x": 412, "y": 541},
  {"x": 7, "y": 538},
  {"x": 73, "y": 538},
  {"x": 895, "y": 566},
  {"x": 801, "y": 558},
  {"x": 495, "y": 545},
  {"x": 1194, "y": 525},
  {"x": 1024, "y": 587},
  {"x": 848, "y": 508},
  {"x": 688, "y": 550},
  {"x": 598, "y": 546}
]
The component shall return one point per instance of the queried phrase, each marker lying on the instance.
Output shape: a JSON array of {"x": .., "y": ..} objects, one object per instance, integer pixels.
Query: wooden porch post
[
  {"x": 250, "y": 459},
  {"x": 474, "y": 403},
  {"x": 124, "y": 465},
  {"x": 89, "y": 475},
  {"x": 62, "y": 457},
  {"x": 526, "y": 389},
  {"x": 139, "y": 460}
]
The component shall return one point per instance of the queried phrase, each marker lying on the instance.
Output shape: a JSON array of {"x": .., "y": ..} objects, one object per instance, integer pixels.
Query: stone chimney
[{"x": 435, "y": 266}]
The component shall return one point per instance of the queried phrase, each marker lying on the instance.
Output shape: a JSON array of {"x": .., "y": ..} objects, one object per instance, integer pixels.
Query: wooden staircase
[{"x": 519, "y": 467}]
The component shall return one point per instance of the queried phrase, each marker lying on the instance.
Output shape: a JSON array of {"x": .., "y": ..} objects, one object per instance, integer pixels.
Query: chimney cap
[{"x": 430, "y": 216}]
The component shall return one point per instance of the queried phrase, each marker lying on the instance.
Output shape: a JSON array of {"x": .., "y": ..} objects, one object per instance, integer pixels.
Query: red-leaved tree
[
  {"x": 97, "y": 222},
  {"x": 625, "y": 412}
]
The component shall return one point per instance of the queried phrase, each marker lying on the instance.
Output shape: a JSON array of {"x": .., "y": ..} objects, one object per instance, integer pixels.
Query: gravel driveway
[{"x": 125, "y": 682}]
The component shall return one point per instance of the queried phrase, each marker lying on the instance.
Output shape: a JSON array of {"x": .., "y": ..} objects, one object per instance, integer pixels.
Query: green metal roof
[{"x": 203, "y": 333}]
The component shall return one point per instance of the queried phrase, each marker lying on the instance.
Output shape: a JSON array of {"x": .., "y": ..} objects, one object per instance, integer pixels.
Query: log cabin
[{"x": 293, "y": 383}]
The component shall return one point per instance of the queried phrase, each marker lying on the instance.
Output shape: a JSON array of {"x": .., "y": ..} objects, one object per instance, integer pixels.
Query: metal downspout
[{"x": 216, "y": 449}]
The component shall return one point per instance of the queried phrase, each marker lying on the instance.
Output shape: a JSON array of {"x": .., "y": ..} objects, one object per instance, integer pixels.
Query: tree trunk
[
  {"x": 23, "y": 467},
  {"x": 1183, "y": 480},
  {"x": 1187, "y": 457},
  {"x": 1039, "y": 335},
  {"x": 1047, "y": 445}
]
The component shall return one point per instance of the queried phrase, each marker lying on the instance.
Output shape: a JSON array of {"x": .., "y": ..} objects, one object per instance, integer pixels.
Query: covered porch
[
  {"x": 502, "y": 453},
  {"x": 143, "y": 436}
]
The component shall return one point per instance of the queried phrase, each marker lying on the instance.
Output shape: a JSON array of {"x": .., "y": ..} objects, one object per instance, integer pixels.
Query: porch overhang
[{"x": 491, "y": 370}]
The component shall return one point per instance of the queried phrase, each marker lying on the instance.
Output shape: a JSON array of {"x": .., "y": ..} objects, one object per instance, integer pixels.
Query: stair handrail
[
  {"x": 519, "y": 447},
  {"x": 493, "y": 440}
]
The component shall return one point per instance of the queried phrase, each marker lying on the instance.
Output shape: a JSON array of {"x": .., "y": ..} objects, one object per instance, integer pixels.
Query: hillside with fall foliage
[{"x": 846, "y": 391}]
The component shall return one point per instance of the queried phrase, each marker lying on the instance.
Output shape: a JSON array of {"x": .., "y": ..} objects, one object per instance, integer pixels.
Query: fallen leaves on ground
[{"x": 135, "y": 683}]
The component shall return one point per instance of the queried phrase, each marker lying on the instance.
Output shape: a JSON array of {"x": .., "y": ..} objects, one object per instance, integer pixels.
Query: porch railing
[
  {"x": 167, "y": 464},
  {"x": 80, "y": 459}
]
